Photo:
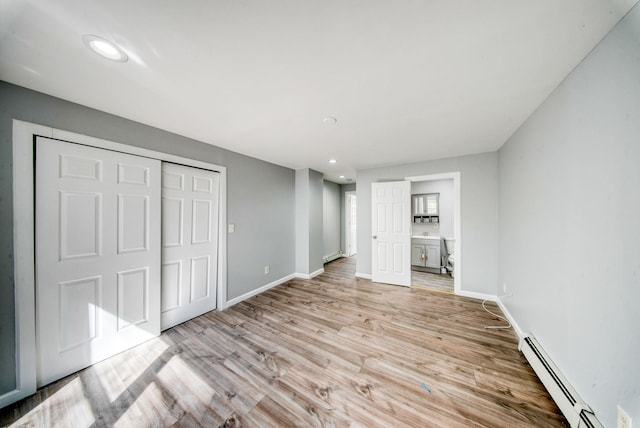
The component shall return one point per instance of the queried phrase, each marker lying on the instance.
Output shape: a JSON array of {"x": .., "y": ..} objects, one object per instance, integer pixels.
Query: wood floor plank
[{"x": 333, "y": 351}]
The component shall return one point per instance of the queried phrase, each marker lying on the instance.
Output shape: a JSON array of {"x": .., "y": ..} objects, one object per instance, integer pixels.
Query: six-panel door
[
  {"x": 391, "y": 234},
  {"x": 97, "y": 254},
  {"x": 189, "y": 242}
]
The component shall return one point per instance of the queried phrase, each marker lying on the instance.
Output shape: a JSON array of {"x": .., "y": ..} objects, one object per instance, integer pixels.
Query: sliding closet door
[
  {"x": 97, "y": 254},
  {"x": 189, "y": 242}
]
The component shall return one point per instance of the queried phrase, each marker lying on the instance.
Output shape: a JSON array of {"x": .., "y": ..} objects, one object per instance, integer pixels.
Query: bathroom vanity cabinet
[{"x": 425, "y": 254}]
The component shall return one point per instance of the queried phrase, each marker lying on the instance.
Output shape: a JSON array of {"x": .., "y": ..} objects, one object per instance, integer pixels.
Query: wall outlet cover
[
  {"x": 267, "y": 269},
  {"x": 231, "y": 228}
]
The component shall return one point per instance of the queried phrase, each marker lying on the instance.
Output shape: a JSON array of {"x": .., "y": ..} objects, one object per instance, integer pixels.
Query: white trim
[
  {"x": 457, "y": 223},
  {"x": 521, "y": 334},
  {"x": 24, "y": 257},
  {"x": 363, "y": 275},
  {"x": 474, "y": 295},
  {"x": 309, "y": 275},
  {"x": 257, "y": 291},
  {"x": 23, "y": 242}
]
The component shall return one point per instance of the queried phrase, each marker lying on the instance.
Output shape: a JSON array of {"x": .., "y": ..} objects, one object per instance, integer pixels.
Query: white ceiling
[{"x": 408, "y": 80}]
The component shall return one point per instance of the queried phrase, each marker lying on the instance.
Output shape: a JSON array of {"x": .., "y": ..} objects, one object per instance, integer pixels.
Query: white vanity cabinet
[{"x": 425, "y": 254}]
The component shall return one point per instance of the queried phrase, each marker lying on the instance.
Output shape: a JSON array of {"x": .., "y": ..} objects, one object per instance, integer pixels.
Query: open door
[{"x": 391, "y": 233}]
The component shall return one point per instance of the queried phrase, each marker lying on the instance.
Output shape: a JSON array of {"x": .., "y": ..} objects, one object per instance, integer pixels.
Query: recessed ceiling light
[
  {"x": 330, "y": 120},
  {"x": 332, "y": 161},
  {"x": 104, "y": 48},
  {"x": 342, "y": 176}
]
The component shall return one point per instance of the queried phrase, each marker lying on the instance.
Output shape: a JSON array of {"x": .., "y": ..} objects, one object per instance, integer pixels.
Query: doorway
[
  {"x": 350, "y": 224},
  {"x": 24, "y": 134},
  {"x": 446, "y": 226},
  {"x": 125, "y": 246}
]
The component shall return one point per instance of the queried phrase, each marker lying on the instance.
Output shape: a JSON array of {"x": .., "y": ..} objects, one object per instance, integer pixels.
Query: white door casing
[
  {"x": 97, "y": 255},
  {"x": 391, "y": 232},
  {"x": 190, "y": 208}
]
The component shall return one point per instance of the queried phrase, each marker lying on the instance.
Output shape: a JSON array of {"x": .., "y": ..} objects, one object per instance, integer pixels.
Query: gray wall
[
  {"x": 308, "y": 221},
  {"x": 302, "y": 220},
  {"x": 331, "y": 214},
  {"x": 479, "y": 214},
  {"x": 572, "y": 169},
  {"x": 315, "y": 221},
  {"x": 260, "y": 198},
  {"x": 445, "y": 189}
]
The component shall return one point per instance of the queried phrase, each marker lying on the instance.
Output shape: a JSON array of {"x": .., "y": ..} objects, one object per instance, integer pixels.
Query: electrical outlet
[
  {"x": 267, "y": 269},
  {"x": 624, "y": 420},
  {"x": 231, "y": 228}
]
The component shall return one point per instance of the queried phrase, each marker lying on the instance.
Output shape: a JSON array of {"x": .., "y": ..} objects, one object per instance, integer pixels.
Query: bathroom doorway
[{"x": 436, "y": 236}]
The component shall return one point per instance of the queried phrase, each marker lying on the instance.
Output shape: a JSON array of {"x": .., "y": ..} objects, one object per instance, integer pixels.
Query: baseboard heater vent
[
  {"x": 577, "y": 412},
  {"x": 332, "y": 257}
]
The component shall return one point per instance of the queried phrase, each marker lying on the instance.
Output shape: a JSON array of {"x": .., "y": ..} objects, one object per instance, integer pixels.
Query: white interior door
[
  {"x": 189, "y": 242},
  {"x": 97, "y": 255},
  {"x": 351, "y": 224},
  {"x": 391, "y": 233}
]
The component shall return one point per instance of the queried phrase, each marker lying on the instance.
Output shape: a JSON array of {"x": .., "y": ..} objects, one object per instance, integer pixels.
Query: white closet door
[
  {"x": 97, "y": 254},
  {"x": 189, "y": 242}
]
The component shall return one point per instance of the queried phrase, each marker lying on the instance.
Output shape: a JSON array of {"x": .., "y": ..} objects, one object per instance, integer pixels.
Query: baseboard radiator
[
  {"x": 577, "y": 412},
  {"x": 332, "y": 257}
]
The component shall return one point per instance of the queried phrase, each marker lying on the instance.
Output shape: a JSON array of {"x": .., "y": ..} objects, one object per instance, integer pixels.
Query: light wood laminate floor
[
  {"x": 432, "y": 281},
  {"x": 331, "y": 351}
]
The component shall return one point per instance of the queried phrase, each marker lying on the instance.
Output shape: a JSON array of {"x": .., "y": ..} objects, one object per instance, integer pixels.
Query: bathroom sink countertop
[{"x": 425, "y": 237}]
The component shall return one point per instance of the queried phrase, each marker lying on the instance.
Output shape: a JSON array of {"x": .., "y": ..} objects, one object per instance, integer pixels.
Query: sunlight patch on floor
[{"x": 66, "y": 407}]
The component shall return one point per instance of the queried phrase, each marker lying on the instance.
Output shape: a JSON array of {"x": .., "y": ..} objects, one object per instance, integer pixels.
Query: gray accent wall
[
  {"x": 569, "y": 231},
  {"x": 308, "y": 221},
  {"x": 331, "y": 198},
  {"x": 260, "y": 198},
  {"x": 479, "y": 214},
  {"x": 315, "y": 221},
  {"x": 331, "y": 218}
]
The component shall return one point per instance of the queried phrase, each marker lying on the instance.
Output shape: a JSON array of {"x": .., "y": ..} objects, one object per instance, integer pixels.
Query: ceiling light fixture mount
[
  {"x": 330, "y": 120},
  {"x": 104, "y": 48},
  {"x": 332, "y": 161}
]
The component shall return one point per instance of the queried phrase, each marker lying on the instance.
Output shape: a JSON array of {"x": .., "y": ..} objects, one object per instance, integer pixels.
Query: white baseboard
[
  {"x": 363, "y": 275},
  {"x": 13, "y": 396},
  {"x": 474, "y": 295},
  {"x": 257, "y": 291},
  {"x": 309, "y": 275},
  {"x": 514, "y": 324}
]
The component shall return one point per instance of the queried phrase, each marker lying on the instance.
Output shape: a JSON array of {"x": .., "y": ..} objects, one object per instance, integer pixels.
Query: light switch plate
[{"x": 231, "y": 228}]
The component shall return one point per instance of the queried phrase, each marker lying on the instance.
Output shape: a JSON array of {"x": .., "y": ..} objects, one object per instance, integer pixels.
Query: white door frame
[
  {"x": 347, "y": 223},
  {"x": 23, "y": 238},
  {"x": 457, "y": 230}
]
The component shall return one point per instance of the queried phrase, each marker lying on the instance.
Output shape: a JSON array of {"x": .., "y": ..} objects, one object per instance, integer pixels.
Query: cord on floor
[{"x": 496, "y": 327}]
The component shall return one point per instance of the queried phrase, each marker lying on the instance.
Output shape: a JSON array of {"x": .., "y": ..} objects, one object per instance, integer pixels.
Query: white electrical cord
[{"x": 496, "y": 327}]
